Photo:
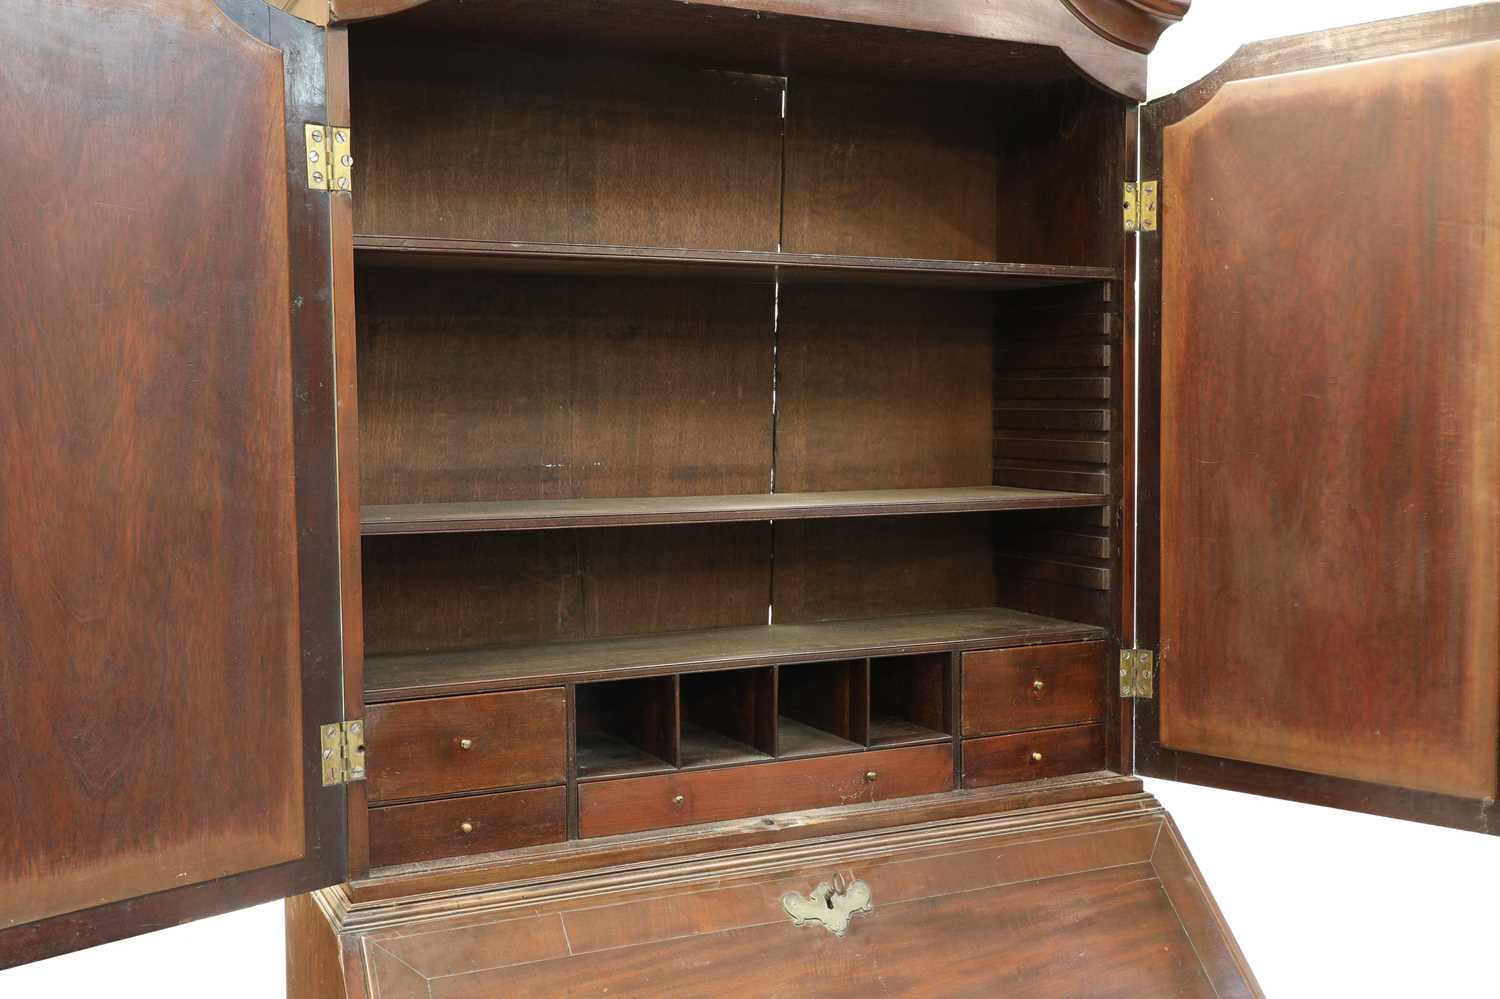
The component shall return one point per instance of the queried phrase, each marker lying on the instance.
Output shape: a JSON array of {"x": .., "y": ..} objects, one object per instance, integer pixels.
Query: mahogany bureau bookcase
[{"x": 723, "y": 496}]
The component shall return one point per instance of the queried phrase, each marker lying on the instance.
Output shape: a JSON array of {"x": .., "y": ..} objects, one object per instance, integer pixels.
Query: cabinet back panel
[
  {"x": 883, "y": 389},
  {"x": 476, "y": 387},
  {"x": 502, "y": 145},
  {"x": 830, "y": 570},
  {"x": 890, "y": 170},
  {"x": 460, "y": 591}
]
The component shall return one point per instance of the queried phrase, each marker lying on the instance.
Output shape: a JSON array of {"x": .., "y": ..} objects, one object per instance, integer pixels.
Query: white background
[{"x": 1324, "y": 903}]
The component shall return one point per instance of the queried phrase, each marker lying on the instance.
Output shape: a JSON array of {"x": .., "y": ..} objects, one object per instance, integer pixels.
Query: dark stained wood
[
  {"x": 627, "y": 728},
  {"x": 519, "y": 515},
  {"x": 461, "y": 591},
  {"x": 612, "y": 807},
  {"x": 398, "y": 887},
  {"x": 822, "y": 708},
  {"x": 314, "y": 952},
  {"x": 129, "y": 479},
  {"x": 883, "y": 389},
  {"x": 1202, "y": 921},
  {"x": 1057, "y": 419},
  {"x": 381, "y": 251},
  {"x": 1043, "y": 686},
  {"x": 477, "y": 389},
  {"x": 889, "y": 170},
  {"x": 1297, "y": 588},
  {"x": 1060, "y": 169},
  {"x": 401, "y": 834},
  {"x": 1001, "y": 759},
  {"x": 416, "y": 749},
  {"x": 832, "y": 570},
  {"x": 910, "y": 699},
  {"x": 1020, "y": 910},
  {"x": 346, "y": 393},
  {"x": 408, "y": 676},
  {"x": 1029, "y": 42},
  {"x": 564, "y": 151},
  {"x": 1133, "y": 23},
  {"x": 727, "y": 717}
]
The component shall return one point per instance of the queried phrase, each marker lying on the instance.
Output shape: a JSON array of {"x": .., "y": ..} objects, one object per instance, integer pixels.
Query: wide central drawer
[{"x": 632, "y": 805}]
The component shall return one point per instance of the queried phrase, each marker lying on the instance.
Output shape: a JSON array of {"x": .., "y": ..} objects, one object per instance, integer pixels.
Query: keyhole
[{"x": 828, "y": 900}]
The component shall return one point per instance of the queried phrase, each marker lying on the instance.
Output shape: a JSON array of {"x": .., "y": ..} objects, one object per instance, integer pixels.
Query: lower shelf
[{"x": 506, "y": 667}]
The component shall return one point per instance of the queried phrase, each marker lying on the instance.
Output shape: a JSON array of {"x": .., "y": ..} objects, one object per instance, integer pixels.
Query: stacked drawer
[
  {"x": 490, "y": 769},
  {"x": 1033, "y": 712}
]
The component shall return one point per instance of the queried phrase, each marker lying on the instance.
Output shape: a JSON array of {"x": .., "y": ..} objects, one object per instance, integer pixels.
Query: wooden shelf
[
  {"x": 742, "y": 265},
  {"x": 889, "y": 730},
  {"x": 796, "y": 739},
  {"x": 704, "y": 747},
  {"x": 602, "y": 756},
  {"x": 528, "y": 515},
  {"x": 509, "y": 667}
]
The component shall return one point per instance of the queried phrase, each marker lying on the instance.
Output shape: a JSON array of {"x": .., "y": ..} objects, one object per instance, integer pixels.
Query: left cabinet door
[{"x": 169, "y": 571}]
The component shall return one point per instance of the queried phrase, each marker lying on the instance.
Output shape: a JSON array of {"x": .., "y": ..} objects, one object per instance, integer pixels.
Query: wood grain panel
[
  {"x": 458, "y": 591},
  {"x": 889, "y": 170},
  {"x": 1001, "y": 759},
  {"x": 883, "y": 389},
  {"x": 1042, "y": 686},
  {"x": 415, "y": 749},
  {"x": 404, "y": 834},
  {"x": 151, "y": 637},
  {"x": 561, "y": 151},
  {"x": 830, "y": 570},
  {"x": 1330, "y": 541},
  {"x": 609, "y": 808},
  {"x": 988, "y": 942},
  {"x": 478, "y": 388}
]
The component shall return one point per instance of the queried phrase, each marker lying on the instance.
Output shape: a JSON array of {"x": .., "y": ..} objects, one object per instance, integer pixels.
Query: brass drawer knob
[
  {"x": 678, "y": 800},
  {"x": 466, "y": 827},
  {"x": 1038, "y": 685},
  {"x": 466, "y": 744},
  {"x": 871, "y": 775},
  {"x": 1036, "y": 757}
]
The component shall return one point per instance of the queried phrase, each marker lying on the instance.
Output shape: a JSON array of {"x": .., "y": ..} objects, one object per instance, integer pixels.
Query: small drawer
[
  {"x": 1042, "y": 686},
  {"x": 448, "y": 745},
  {"x": 455, "y": 827},
  {"x": 1053, "y": 752},
  {"x": 681, "y": 799}
]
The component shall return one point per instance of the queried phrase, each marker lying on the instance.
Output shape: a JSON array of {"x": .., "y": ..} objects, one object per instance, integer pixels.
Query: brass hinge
[
  {"x": 330, "y": 158},
  {"x": 1140, "y": 206},
  {"x": 1137, "y": 670},
  {"x": 343, "y": 753},
  {"x": 312, "y": 11}
]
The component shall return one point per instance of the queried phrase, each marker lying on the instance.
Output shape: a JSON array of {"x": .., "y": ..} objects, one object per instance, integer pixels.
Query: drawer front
[
  {"x": 422, "y": 749},
  {"x": 632, "y": 805},
  {"x": 1053, "y": 752},
  {"x": 1044, "y": 686},
  {"x": 454, "y": 827}
]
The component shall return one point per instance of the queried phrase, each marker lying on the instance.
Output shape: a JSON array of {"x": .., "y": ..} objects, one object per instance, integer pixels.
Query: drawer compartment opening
[{"x": 627, "y": 728}]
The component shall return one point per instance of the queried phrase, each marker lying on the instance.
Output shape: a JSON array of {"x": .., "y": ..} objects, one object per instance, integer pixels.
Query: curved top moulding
[{"x": 1106, "y": 40}]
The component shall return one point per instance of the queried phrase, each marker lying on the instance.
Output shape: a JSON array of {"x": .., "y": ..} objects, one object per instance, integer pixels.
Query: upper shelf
[
  {"x": 745, "y": 265},
  {"x": 525, "y": 515}
]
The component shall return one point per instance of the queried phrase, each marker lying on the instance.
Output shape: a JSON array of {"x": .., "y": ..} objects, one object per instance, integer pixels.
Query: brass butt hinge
[
  {"x": 330, "y": 158},
  {"x": 1137, "y": 673},
  {"x": 343, "y": 753},
  {"x": 1140, "y": 205},
  {"x": 311, "y": 11}
]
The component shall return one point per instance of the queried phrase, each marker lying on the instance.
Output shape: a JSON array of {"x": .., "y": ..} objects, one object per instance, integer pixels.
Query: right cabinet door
[{"x": 1320, "y": 422}]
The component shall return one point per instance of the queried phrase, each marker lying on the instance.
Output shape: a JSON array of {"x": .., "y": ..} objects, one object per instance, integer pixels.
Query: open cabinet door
[
  {"x": 1320, "y": 433},
  {"x": 169, "y": 574}
]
